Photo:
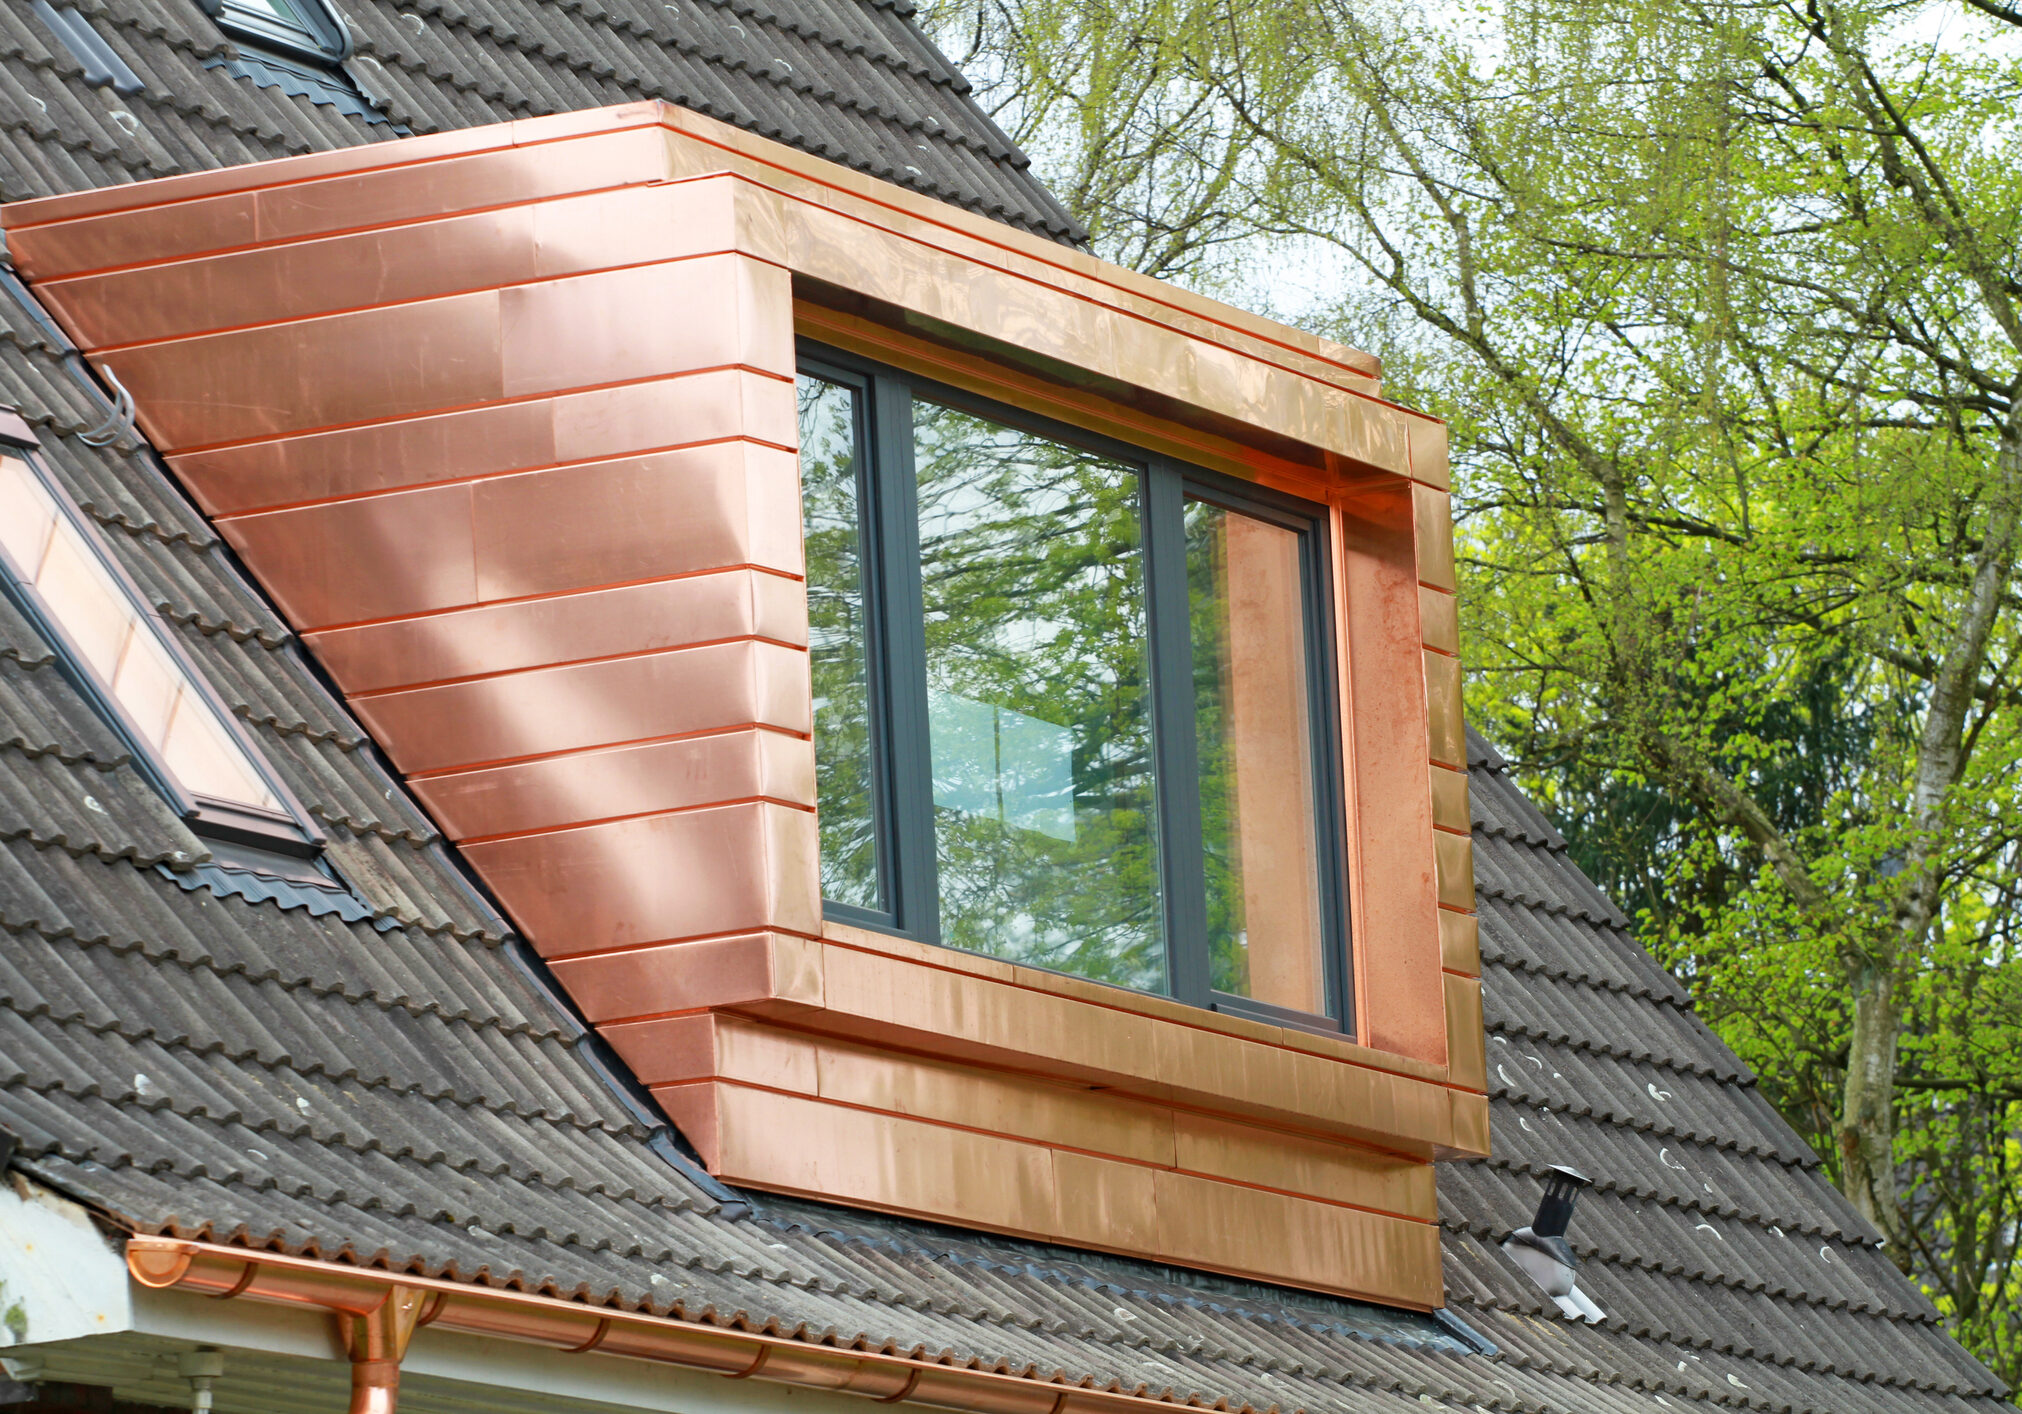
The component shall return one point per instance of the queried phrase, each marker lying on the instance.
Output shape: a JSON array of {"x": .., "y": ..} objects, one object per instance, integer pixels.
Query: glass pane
[
  {"x": 1247, "y": 604},
  {"x": 121, "y": 643},
  {"x": 838, "y": 642},
  {"x": 1039, "y": 710}
]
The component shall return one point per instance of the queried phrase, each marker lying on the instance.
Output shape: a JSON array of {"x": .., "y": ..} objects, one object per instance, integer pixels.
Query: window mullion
[
  {"x": 905, "y": 745},
  {"x": 1178, "y": 767}
]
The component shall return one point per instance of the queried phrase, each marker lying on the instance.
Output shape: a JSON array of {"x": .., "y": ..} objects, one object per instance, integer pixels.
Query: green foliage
[{"x": 1723, "y": 302}]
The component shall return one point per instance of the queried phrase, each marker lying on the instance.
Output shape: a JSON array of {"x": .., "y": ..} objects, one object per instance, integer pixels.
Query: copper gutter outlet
[{"x": 380, "y": 1311}]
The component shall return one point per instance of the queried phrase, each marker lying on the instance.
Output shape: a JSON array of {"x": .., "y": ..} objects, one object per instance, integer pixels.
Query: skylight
[{"x": 123, "y": 646}]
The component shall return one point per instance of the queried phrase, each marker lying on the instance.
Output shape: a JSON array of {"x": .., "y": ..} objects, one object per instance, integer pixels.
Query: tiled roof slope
[
  {"x": 390, "y": 1083},
  {"x": 853, "y": 81}
]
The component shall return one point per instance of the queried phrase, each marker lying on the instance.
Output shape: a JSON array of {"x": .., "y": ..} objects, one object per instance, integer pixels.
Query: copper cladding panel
[
  {"x": 404, "y": 553},
  {"x": 1439, "y": 614},
  {"x": 798, "y": 1145},
  {"x": 647, "y": 517},
  {"x": 1445, "y": 724},
  {"x": 598, "y": 623},
  {"x": 619, "y": 781},
  {"x": 569, "y": 708},
  {"x": 1399, "y": 1006},
  {"x": 600, "y": 423},
  {"x": 615, "y": 988},
  {"x": 730, "y": 869},
  {"x": 314, "y": 373},
  {"x": 1449, "y": 799},
  {"x": 1466, "y": 1040},
  {"x": 1460, "y": 942}
]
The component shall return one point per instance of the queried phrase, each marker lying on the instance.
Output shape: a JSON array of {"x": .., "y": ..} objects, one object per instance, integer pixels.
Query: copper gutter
[{"x": 379, "y": 1311}]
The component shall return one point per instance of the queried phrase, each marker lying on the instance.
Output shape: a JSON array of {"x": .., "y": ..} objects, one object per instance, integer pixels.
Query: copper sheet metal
[
  {"x": 702, "y": 407},
  {"x": 1398, "y": 1002},
  {"x": 1439, "y": 618},
  {"x": 875, "y": 999},
  {"x": 647, "y": 517},
  {"x": 1466, "y": 1043},
  {"x": 379, "y": 456},
  {"x": 1446, "y": 724},
  {"x": 703, "y": 872},
  {"x": 1428, "y": 441},
  {"x": 1143, "y": 1004},
  {"x": 592, "y": 704},
  {"x": 314, "y": 373},
  {"x": 775, "y": 1141},
  {"x": 1341, "y": 1173},
  {"x": 680, "y": 410},
  {"x": 1455, "y": 855},
  {"x": 622, "y": 325},
  {"x": 1432, "y": 529},
  {"x": 730, "y": 971},
  {"x": 1313, "y": 1244},
  {"x": 598, "y": 623},
  {"x": 1026, "y": 1107},
  {"x": 1449, "y": 799},
  {"x": 269, "y": 283},
  {"x": 404, "y": 553},
  {"x": 804, "y": 1146},
  {"x": 608, "y": 784},
  {"x": 1460, "y": 942}
]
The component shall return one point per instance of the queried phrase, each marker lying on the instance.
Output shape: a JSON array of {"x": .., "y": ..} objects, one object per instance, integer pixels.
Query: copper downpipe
[{"x": 379, "y": 1311}]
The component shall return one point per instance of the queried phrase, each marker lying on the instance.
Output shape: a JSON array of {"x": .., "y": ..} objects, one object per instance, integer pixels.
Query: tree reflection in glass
[
  {"x": 838, "y": 641},
  {"x": 1032, "y": 571}
]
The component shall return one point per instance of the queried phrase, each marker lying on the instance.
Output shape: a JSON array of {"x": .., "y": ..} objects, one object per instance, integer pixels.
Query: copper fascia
[{"x": 387, "y": 1307}]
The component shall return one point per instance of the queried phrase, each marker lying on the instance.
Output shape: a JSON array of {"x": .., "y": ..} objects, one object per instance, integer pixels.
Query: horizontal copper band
[
  {"x": 633, "y": 881},
  {"x": 627, "y": 419},
  {"x": 794, "y": 1144},
  {"x": 611, "y": 783}
]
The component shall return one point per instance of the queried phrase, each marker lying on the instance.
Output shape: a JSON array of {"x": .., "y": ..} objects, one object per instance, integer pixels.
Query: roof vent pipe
[{"x": 1542, "y": 1252}]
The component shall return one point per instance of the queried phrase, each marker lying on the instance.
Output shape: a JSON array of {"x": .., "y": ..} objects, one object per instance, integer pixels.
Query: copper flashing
[
  {"x": 504, "y": 421},
  {"x": 361, "y": 1295}
]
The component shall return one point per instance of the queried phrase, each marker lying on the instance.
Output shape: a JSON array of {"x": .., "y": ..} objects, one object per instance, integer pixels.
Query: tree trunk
[{"x": 1867, "y": 1127}]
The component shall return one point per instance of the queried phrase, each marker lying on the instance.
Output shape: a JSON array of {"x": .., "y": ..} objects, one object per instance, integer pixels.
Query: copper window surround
[
  {"x": 904, "y": 823},
  {"x": 286, "y": 832}
]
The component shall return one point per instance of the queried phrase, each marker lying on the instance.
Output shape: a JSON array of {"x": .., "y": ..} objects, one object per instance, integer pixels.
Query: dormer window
[
  {"x": 122, "y": 654},
  {"x": 299, "y": 29},
  {"x": 1073, "y": 702}
]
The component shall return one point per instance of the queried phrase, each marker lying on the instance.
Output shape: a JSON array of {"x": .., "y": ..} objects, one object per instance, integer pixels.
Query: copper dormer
[{"x": 976, "y": 729}]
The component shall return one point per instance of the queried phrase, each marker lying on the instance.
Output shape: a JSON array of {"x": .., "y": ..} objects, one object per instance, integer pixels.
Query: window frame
[
  {"x": 287, "y": 832},
  {"x": 322, "y": 39},
  {"x": 896, "y": 669}
]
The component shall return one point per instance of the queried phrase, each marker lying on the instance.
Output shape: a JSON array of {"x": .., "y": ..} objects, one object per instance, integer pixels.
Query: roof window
[
  {"x": 299, "y": 29},
  {"x": 123, "y": 655}
]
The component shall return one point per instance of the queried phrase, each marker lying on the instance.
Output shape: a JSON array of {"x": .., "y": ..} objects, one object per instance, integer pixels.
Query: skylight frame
[
  {"x": 321, "y": 39},
  {"x": 285, "y": 830}
]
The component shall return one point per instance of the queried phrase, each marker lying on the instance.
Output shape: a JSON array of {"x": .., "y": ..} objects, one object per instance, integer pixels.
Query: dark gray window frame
[
  {"x": 903, "y": 809},
  {"x": 322, "y": 38}
]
